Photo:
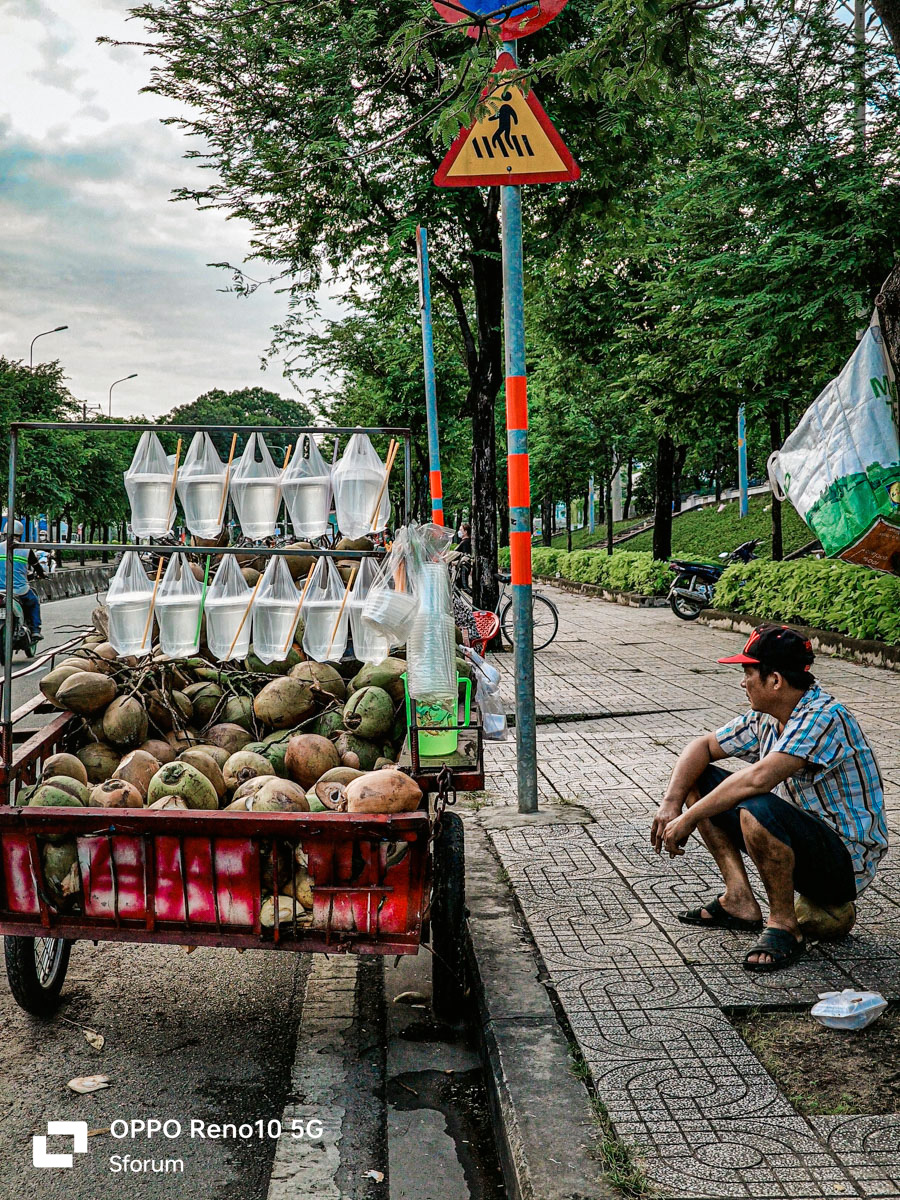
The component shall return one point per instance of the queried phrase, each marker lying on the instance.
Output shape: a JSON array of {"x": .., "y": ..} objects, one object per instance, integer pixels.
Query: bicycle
[{"x": 544, "y": 613}]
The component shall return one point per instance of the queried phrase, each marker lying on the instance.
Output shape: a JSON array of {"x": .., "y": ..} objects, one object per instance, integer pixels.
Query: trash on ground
[
  {"x": 849, "y": 1009},
  {"x": 88, "y": 1083}
]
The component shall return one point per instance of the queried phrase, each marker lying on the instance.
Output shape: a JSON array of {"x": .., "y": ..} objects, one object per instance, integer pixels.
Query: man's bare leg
[
  {"x": 737, "y": 899},
  {"x": 775, "y": 863}
]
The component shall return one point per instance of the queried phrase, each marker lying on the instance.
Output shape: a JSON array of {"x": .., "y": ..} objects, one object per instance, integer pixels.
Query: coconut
[
  {"x": 369, "y": 713},
  {"x": 238, "y": 710},
  {"x": 276, "y": 753},
  {"x": 361, "y": 543},
  {"x": 331, "y": 796},
  {"x": 182, "y": 739},
  {"x": 181, "y": 779},
  {"x": 381, "y": 763},
  {"x": 243, "y": 766},
  {"x": 47, "y": 796},
  {"x": 161, "y": 750},
  {"x": 65, "y": 764},
  {"x": 385, "y": 675},
  {"x": 250, "y": 787},
  {"x": 89, "y": 661},
  {"x": 383, "y": 792},
  {"x": 166, "y": 802},
  {"x": 321, "y": 677},
  {"x": 308, "y": 757},
  {"x": 299, "y": 565},
  {"x": 280, "y": 667},
  {"x": 315, "y": 804},
  {"x": 100, "y": 760},
  {"x": 366, "y": 752},
  {"x": 342, "y": 775},
  {"x": 283, "y": 703},
  {"x": 197, "y": 571},
  {"x": 159, "y": 712},
  {"x": 86, "y": 692},
  {"x": 329, "y": 723},
  {"x": 300, "y": 888},
  {"x": 66, "y": 783},
  {"x": 229, "y": 737},
  {"x": 61, "y": 871},
  {"x": 116, "y": 793},
  {"x": 100, "y": 620},
  {"x": 824, "y": 923},
  {"x": 289, "y": 910},
  {"x": 251, "y": 576},
  {"x": 350, "y": 760},
  {"x": 183, "y": 704},
  {"x": 138, "y": 768},
  {"x": 125, "y": 722},
  {"x": 278, "y": 795},
  {"x": 53, "y": 681},
  {"x": 204, "y": 697},
  {"x": 219, "y": 756},
  {"x": 207, "y": 766}
]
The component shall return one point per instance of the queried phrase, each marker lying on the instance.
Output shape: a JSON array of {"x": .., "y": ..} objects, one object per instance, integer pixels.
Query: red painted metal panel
[{"x": 18, "y": 878}]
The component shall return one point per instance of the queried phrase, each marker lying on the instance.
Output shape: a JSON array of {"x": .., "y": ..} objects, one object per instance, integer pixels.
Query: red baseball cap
[{"x": 776, "y": 646}]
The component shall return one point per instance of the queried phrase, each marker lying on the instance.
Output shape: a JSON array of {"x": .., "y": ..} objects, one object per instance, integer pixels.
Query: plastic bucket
[{"x": 435, "y": 738}]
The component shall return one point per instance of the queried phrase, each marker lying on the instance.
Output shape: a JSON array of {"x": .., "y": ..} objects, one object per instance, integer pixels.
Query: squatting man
[{"x": 809, "y": 812}]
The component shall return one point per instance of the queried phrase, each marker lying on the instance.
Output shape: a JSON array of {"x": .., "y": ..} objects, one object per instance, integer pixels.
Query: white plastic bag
[
  {"x": 487, "y": 687},
  {"x": 226, "y": 603},
  {"x": 148, "y": 482},
  {"x": 840, "y": 468},
  {"x": 391, "y": 604},
  {"x": 275, "y": 612},
  {"x": 306, "y": 486},
  {"x": 848, "y": 1009},
  {"x": 324, "y": 624},
  {"x": 357, "y": 480},
  {"x": 201, "y": 487},
  {"x": 177, "y": 609},
  {"x": 128, "y": 602},
  {"x": 256, "y": 490},
  {"x": 369, "y": 645}
]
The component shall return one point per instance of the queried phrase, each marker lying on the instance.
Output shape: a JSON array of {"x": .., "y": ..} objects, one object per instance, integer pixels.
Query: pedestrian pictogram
[{"x": 515, "y": 142}]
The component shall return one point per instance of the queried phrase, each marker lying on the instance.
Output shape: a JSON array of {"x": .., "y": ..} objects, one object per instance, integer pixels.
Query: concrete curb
[
  {"x": 612, "y": 595},
  {"x": 79, "y": 581},
  {"x": 543, "y": 1121}
]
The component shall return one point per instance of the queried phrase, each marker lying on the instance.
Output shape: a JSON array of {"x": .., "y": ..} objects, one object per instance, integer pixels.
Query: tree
[
  {"x": 47, "y": 461},
  {"x": 244, "y": 406}
]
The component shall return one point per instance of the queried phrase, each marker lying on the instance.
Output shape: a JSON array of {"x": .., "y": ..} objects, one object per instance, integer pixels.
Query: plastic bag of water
[
  {"x": 148, "y": 482},
  {"x": 306, "y": 485},
  {"x": 324, "y": 625},
  {"x": 275, "y": 612},
  {"x": 128, "y": 603},
  {"x": 178, "y": 602},
  {"x": 201, "y": 487},
  {"x": 369, "y": 644},
  {"x": 357, "y": 480},
  {"x": 226, "y": 602},
  {"x": 848, "y": 1009},
  {"x": 256, "y": 490}
]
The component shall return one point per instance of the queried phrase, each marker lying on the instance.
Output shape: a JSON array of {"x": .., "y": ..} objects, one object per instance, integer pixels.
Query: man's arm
[
  {"x": 35, "y": 563},
  {"x": 692, "y": 762}
]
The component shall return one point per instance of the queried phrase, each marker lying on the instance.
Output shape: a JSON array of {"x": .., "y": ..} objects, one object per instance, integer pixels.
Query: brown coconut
[
  {"x": 331, "y": 796},
  {"x": 251, "y": 576},
  {"x": 65, "y": 764},
  {"x": 138, "y": 768},
  {"x": 383, "y": 792},
  {"x": 182, "y": 739},
  {"x": 161, "y": 750},
  {"x": 284, "y": 702},
  {"x": 299, "y": 565},
  {"x": 278, "y": 795},
  {"x": 308, "y": 757},
  {"x": 250, "y": 788},
  {"x": 125, "y": 722},
  {"x": 165, "y": 802},
  {"x": 160, "y": 715},
  {"x": 243, "y": 766},
  {"x": 116, "y": 793},
  {"x": 219, "y": 756},
  {"x": 99, "y": 760},
  {"x": 209, "y": 767},
  {"x": 229, "y": 737},
  {"x": 321, "y": 677},
  {"x": 53, "y": 681},
  {"x": 86, "y": 693}
]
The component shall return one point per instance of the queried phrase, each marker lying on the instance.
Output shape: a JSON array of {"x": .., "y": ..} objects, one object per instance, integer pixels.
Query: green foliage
[
  {"x": 823, "y": 593},
  {"x": 243, "y": 406},
  {"x": 704, "y": 534},
  {"x": 622, "y": 571}
]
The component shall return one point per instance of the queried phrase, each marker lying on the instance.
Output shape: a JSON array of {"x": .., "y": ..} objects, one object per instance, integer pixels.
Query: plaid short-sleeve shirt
[{"x": 840, "y": 782}]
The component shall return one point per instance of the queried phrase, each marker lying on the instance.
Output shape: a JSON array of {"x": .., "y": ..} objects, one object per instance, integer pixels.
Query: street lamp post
[
  {"x": 58, "y": 329},
  {"x": 113, "y": 384}
]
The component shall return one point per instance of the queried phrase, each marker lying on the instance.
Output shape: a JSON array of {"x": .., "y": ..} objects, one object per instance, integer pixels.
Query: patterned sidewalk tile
[
  {"x": 868, "y": 1146},
  {"x": 732, "y": 986},
  {"x": 626, "y": 986}
]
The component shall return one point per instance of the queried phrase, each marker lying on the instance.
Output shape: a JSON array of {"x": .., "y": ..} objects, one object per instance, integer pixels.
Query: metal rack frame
[{"x": 17, "y": 427}]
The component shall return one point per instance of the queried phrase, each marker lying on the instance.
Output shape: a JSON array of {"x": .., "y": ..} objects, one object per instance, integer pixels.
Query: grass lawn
[
  {"x": 582, "y": 540},
  {"x": 706, "y": 532}
]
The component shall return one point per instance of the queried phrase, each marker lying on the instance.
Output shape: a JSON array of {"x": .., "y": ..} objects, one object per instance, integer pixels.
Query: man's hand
[
  {"x": 677, "y": 832},
  {"x": 667, "y": 812}
]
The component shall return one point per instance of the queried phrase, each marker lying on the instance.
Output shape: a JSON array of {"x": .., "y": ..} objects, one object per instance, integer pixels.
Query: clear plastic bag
[
  {"x": 128, "y": 603},
  {"x": 306, "y": 485},
  {"x": 848, "y": 1009},
  {"x": 148, "y": 482},
  {"x": 369, "y": 645},
  {"x": 256, "y": 490},
  {"x": 201, "y": 488},
  {"x": 178, "y": 601},
  {"x": 226, "y": 603},
  {"x": 391, "y": 604},
  {"x": 324, "y": 624},
  {"x": 357, "y": 480},
  {"x": 275, "y": 612},
  {"x": 487, "y": 685}
]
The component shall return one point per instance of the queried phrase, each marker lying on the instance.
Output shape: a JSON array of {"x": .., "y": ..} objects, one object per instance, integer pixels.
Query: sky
[{"x": 89, "y": 236}]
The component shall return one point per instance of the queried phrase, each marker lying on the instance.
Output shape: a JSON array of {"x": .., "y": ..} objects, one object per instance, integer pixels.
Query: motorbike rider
[{"x": 22, "y": 589}]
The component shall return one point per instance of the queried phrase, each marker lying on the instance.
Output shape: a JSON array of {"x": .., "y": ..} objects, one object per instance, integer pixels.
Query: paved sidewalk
[{"x": 643, "y": 994}]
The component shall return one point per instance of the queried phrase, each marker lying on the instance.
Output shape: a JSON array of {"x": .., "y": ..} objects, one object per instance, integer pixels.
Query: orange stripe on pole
[
  {"x": 519, "y": 487},
  {"x": 516, "y": 402},
  {"x": 520, "y": 557},
  {"x": 436, "y": 485}
]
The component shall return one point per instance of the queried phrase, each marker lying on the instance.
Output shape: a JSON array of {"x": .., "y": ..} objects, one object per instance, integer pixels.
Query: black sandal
[
  {"x": 781, "y": 946},
  {"x": 718, "y": 918}
]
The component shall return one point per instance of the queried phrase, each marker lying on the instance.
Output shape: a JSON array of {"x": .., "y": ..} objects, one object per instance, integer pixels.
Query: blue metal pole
[
  {"x": 591, "y": 505},
  {"x": 6, "y": 750},
  {"x": 742, "y": 463},
  {"x": 519, "y": 490},
  {"x": 434, "y": 452}
]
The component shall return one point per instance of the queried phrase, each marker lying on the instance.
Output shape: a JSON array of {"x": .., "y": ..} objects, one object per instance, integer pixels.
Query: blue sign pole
[
  {"x": 591, "y": 505},
  {"x": 431, "y": 417},
  {"x": 519, "y": 490},
  {"x": 742, "y": 463}
]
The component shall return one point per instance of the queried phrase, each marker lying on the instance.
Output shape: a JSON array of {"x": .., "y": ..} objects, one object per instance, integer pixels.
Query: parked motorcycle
[
  {"x": 23, "y": 638},
  {"x": 694, "y": 584}
]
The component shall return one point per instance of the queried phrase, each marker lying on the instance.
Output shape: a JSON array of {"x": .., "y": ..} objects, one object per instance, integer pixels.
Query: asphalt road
[{"x": 61, "y": 620}]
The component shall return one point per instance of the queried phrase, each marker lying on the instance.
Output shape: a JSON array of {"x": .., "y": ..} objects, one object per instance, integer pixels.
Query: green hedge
[
  {"x": 625, "y": 570},
  {"x": 818, "y": 592}
]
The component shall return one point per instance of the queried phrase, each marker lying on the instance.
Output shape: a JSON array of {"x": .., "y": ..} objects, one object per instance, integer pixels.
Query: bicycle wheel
[{"x": 544, "y": 616}]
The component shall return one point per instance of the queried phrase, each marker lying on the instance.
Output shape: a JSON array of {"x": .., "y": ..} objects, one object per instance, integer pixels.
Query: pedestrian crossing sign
[{"x": 515, "y": 142}]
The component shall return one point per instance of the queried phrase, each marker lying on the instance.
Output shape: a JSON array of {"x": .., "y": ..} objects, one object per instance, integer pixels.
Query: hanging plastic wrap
[
  {"x": 306, "y": 486},
  {"x": 256, "y": 490},
  {"x": 324, "y": 622},
  {"x": 148, "y": 482},
  {"x": 177, "y": 610},
  {"x": 128, "y": 601},
  {"x": 275, "y": 612},
  {"x": 487, "y": 688},
  {"x": 201, "y": 487},
  {"x": 369, "y": 645},
  {"x": 226, "y": 602},
  {"x": 391, "y": 604},
  {"x": 357, "y": 480}
]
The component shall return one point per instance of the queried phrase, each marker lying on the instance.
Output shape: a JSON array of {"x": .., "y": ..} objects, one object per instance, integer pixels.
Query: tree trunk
[
  {"x": 629, "y": 488},
  {"x": 889, "y": 14},
  {"x": 587, "y": 507},
  {"x": 607, "y": 497},
  {"x": 503, "y": 513},
  {"x": 677, "y": 468},
  {"x": 546, "y": 519},
  {"x": 888, "y": 299},
  {"x": 568, "y": 517},
  {"x": 662, "y": 514},
  {"x": 777, "y": 542}
]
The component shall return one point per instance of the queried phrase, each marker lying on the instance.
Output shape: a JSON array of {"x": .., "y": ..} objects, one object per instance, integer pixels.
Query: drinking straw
[
  {"x": 152, "y": 601},
  {"x": 341, "y": 610},
  {"x": 287, "y": 455},
  {"x": 227, "y": 478},
  {"x": 203, "y": 597},
  {"x": 391, "y": 455},
  {"x": 244, "y": 618},
  {"x": 287, "y": 644}
]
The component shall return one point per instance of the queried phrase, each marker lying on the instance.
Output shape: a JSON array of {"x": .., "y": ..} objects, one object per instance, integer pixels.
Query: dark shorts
[{"x": 823, "y": 868}]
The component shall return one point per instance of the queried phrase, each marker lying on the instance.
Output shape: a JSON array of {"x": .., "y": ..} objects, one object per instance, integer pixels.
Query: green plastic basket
[{"x": 435, "y": 738}]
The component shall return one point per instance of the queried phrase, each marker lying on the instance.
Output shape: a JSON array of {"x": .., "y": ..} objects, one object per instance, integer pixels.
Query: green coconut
[
  {"x": 125, "y": 723},
  {"x": 228, "y": 736},
  {"x": 65, "y": 764},
  {"x": 367, "y": 752},
  {"x": 205, "y": 697},
  {"x": 219, "y": 756},
  {"x": 100, "y": 761},
  {"x": 385, "y": 675},
  {"x": 283, "y": 703},
  {"x": 321, "y": 677},
  {"x": 86, "y": 692},
  {"x": 62, "y": 874},
  {"x": 279, "y": 667},
  {"x": 315, "y": 804},
  {"x": 183, "y": 705},
  {"x": 308, "y": 757},
  {"x": 67, "y": 784},
  {"x": 255, "y": 747},
  {"x": 243, "y": 766},
  {"x": 49, "y": 796},
  {"x": 181, "y": 779},
  {"x": 329, "y": 723},
  {"x": 276, "y": 753},
  {"x": 53, "y": 681},
  {"x": 369, "y": 713},
  {"x": 208, "y": 766},
  {"x": 238, "y": 710}
]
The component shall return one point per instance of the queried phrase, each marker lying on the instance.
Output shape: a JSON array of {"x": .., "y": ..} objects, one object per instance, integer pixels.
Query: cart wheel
[
  {"x": 36, "y": 969},
  {"x": 448, "y": 919}
]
